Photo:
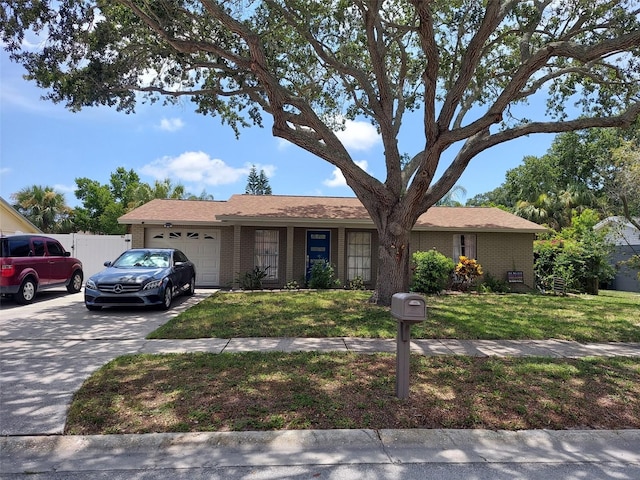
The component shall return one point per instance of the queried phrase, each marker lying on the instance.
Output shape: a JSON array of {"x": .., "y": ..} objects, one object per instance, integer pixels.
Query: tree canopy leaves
[
  {"x": 595, "y": 168},
  {"x": 463, "y": 66},
  {"x": 45, "y": 208}
]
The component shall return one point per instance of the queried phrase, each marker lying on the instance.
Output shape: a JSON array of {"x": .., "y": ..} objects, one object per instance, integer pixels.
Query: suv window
[
  {"x": 16, "y": 247},
  {"x": 55, "y": 249},
  {"x": 38, "y": 248}
]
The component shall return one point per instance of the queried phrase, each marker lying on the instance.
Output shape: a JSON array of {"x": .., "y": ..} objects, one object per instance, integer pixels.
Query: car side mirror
[
  {"x": 107, "y": 263},
  {"x": 66, "y": 254}
]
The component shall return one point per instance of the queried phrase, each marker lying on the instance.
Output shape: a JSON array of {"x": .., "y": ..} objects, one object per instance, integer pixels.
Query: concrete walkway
[{"x": 475, "y": 348}]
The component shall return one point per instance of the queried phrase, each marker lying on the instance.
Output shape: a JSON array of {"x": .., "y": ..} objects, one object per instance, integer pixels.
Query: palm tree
[
  {"x": 539, "y": 211},
  {"x": 44, "y": 207},
  {"x": 556, "y": 210},
  {"x": 451, "y": 197},
  {"x": 142, "y": 193}
]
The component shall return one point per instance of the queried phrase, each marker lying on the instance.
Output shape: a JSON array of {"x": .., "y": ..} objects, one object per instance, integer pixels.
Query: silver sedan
[{"x": 142, "y": 277}]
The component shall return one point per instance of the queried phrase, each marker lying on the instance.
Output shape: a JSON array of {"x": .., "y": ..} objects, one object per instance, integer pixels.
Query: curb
[{"x": 317, "y": 447}]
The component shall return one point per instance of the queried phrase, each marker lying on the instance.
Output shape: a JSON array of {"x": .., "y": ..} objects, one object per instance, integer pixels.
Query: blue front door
[{"x": 318, "y": 243}]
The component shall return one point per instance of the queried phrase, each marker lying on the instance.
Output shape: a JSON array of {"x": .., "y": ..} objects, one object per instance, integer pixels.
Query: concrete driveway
[{"x": 48, "y": 348}]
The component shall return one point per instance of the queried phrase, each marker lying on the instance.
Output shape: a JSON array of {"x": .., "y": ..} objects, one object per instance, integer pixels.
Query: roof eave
[
  {"x": 180, "y": 221},
  {"x": 475, "y": 229},
  {"x": 266, "y": 220}
]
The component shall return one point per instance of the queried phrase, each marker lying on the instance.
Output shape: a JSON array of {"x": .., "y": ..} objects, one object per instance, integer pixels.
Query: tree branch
[{"x": 470, "y": 60}]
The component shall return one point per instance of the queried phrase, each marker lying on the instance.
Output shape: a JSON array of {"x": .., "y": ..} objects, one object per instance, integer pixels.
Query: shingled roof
[
  {"x": 285, "y": 209},
  {"x": 160, "y": 211}
]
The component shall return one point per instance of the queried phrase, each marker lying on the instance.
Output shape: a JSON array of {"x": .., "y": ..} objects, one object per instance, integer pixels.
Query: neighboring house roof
[
  {"x": 287, "y": 210},
  {"x": 11, "y": 221},
  {"x": 621, "y": 231}
]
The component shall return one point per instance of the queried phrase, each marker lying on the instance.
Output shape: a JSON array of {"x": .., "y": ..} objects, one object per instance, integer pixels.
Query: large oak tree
[{"x": 462, "y": 65}]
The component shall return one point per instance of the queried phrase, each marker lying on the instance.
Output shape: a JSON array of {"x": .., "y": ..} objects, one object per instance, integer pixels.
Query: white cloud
[
  {"x": 269, "y": 170},
  {"x": 59, "y": 187},
  {"x": 200, "y": 168},
  {"x": 12, "y": 95},
  {"x": 358, "y": 136},
  {"x": 283, "y": 144},
  {"x": 171, "y": 124},
  {"x": 337, "y": 178}
]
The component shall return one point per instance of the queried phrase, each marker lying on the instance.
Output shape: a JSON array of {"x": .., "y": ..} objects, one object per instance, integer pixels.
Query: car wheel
[
  {"x": 75, "y": 284},
  {"x": 167, "y": 297},
  {"x": 27, "y": 291},
  {"x": 192, "y": 286},
  {"x": 92, "y": 308}
]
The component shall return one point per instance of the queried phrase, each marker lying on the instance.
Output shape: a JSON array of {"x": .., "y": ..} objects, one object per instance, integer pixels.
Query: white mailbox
[{"x": 409, "y": 307}]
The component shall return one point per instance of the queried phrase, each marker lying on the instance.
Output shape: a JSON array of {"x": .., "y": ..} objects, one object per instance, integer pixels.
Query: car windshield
[{"x": 144, "y": 258}]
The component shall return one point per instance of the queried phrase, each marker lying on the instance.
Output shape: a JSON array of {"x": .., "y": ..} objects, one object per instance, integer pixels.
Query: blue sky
[{"x": 44, "y": 144}]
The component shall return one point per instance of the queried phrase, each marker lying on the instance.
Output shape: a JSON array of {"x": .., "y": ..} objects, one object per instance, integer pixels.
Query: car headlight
[
  {"x": 153, "y": 284},
  {"x": 91, "y": 284}
]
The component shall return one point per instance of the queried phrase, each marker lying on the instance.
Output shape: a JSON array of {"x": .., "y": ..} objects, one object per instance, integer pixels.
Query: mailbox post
[{"x": 407, "y": 309}]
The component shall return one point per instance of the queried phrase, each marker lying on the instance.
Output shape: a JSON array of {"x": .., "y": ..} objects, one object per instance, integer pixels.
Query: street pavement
[{"x": 48, "y": 348}]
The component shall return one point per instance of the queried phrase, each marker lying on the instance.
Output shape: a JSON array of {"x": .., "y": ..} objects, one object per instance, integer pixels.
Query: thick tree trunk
[{"x": 393, "y": 263}]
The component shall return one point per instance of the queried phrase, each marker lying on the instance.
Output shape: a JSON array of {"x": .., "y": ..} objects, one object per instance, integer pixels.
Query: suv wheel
[
  {"x": 27, "y": 291},
  {"x": 75, "y": 283}
]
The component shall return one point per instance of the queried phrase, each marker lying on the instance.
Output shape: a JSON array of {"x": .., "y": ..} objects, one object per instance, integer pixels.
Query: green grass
[
  {"x": 327, "y": 313},
  {"x": 610, "y": 316},
  {"x": 310, "y": 390},
  {"x": 305, "y": 390}
]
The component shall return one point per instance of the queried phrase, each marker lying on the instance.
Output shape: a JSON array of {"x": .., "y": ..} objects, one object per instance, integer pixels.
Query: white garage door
[{"x": 202, "y": 246}]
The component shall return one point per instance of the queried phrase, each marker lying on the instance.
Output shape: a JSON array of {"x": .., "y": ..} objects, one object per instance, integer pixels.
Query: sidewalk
[{"x": 475, "y": 348}]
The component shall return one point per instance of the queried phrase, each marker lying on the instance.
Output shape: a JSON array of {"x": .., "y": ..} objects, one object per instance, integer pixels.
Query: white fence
[{"x": 93, "y": 250}]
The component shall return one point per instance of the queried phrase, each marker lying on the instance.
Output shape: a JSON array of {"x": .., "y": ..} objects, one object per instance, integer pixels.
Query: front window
[
  {"x": 359, "y": 255},
  {"x": 266, "y": 252},
  {"x": 143, "y": 258},
  {"x": 464, "y": 244}
]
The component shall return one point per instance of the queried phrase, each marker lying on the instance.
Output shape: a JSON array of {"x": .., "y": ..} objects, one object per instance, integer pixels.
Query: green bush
[
  {"x": 582, "y": 264},
  {"x": 322, "y": 276},
  {"x": 292, "y": 285},
  {"x": 252, "y": 280},
  {"x": 492, "y": 284},
  {"x": 357, "y": 283},
  {"x": 431, "y": 271}
]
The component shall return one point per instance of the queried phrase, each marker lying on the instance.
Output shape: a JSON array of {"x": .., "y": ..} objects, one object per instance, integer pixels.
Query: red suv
[{"x": 30, "y": 263}]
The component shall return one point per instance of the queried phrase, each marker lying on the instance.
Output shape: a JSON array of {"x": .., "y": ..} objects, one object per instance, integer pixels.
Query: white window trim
[{"x": 362, "y": 260}]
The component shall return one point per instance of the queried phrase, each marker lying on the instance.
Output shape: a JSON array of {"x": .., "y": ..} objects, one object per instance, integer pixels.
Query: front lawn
[
  {"x": 311, "y": 390},
  {"x": 272, "y": 391},
  {"x": 608, "y": 317}
]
